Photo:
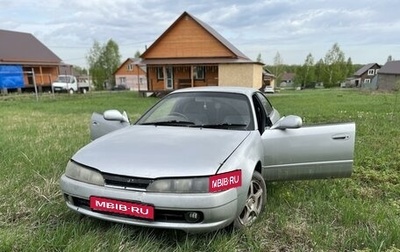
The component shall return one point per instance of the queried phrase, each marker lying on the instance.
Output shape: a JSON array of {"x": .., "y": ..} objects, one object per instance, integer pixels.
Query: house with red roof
[{"x": 131, "y": 74}]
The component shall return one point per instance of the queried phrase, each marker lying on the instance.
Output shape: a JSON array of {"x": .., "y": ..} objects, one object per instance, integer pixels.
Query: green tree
[
  {"x": 305, "y": 74},
  {"x": 278, "y": 68},
  {"x": 137, "y": 54},
  {"x": 319, "y": 70},
  {"x": 95, "y": 69},
  {"x": 78, "y": 71},
  {"x": 111, "y": 59},
  {"x": 103, "y": 60},
  {"x": 290, "y": 68},
  {"x": 335, "y": 67},
  {"x": 350, "y": 67}
]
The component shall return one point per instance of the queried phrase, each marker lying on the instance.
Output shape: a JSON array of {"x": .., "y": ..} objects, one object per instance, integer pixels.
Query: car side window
[{"x": 265, "y": 103}]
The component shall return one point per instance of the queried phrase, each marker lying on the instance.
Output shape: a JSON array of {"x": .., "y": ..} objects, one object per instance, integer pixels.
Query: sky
[{"x": 366, "y": 31}]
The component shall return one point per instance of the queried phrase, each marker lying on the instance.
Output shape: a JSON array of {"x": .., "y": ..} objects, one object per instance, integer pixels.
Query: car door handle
[{"x": 341, "y": 137}]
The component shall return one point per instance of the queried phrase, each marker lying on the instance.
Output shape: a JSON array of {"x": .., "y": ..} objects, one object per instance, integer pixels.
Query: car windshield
[
  {"x": 201, "y": 109},
  {"x": 63, "y": 79}
]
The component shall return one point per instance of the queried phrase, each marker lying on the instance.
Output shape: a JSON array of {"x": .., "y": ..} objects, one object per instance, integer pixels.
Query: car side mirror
[
  {"x": 288, "y": 122},
  {"x": 115, "y": 115}
]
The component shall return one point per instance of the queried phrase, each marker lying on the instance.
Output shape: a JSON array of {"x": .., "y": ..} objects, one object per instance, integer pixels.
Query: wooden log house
[
  {"x": 24, "y": 59},
  {"x": 190, "y": 54}
]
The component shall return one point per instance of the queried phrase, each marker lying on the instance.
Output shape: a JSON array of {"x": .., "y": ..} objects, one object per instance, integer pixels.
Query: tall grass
[{"x": 361, "y": 213}]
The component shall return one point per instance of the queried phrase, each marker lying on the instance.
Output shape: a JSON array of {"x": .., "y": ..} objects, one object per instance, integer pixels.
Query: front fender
[{"x": 245, "y": 158}]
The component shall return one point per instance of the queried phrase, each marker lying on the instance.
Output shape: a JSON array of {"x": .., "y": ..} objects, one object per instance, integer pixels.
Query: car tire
[
  {"x": 71, "y": 91},
  {"x": 255, "y": 202}
]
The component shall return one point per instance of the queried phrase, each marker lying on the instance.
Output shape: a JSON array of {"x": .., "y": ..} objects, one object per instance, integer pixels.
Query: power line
[
  {"x": 75, "y": 58},
  {"x": 86, "y": 46}
]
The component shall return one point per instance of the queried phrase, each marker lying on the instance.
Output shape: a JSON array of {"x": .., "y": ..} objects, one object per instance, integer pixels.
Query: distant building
[
  {"x": 389, "y": 75},
  {"x": 287, "y": 80},
  {"x": 24, "y": 59},
  {"x": 364, "y": 77},
  {"x": 132, "y": 74},
  {"x": 268, "y": 78}
]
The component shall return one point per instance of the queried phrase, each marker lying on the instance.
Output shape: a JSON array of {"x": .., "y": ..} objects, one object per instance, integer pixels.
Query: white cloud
[{"x": 367, "y": 31}]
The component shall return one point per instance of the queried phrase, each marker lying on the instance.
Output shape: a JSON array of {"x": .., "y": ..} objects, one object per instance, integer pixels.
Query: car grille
[
  {"x": 159, "y": 214},
  {"x": 126, "y": 182}
]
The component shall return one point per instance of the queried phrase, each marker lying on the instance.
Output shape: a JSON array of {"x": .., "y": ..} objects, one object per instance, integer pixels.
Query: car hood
[{"x": 161, "y": 151}]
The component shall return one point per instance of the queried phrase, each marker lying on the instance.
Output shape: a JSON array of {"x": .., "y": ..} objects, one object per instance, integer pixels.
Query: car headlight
[
  {"x": 80, "y": 173},
  {"x": 186, "y": 185}
]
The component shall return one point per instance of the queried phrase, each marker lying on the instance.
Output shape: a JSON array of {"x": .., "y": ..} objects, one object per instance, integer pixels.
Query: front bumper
[
  {"x": 218, "y": 210},
  {"x": 60, "y": 88}
]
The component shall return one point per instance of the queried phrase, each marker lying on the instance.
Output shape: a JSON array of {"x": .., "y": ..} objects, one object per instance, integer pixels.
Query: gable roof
[
  {"x": 134, "y": 61},
  {"x": 288, "y": 76},
  {"x": 267, "y": 72},
  {"x": 391, "y": 67},
  {"x": 237, "y": 55},
  {"x": 219, "y": 37},
  {"x": 364, "y": 69},
  {"x": 22, "y": 48}
]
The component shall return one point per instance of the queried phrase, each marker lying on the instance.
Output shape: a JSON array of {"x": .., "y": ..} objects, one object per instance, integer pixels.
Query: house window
[
  {"x": 371, "y": 71},
  {"x": 160, "y": 73},
  {"x": 129, "y": 67},
  {"x": 122, "y": 80},
  {"x": 376, "y": 71},
  {"x": 367, "y": 80},
  {"x": 198, "y": 72}
]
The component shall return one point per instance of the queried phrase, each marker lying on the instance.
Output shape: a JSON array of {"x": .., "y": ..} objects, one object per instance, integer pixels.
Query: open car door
[
  {"x": 313, "y": 152},
  {"x": 110, "y": 120}
]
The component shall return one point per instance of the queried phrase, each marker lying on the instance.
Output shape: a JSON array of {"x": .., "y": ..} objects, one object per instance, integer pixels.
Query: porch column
[
  {"x": 138, "y": 71},
  {"x": 165, "y": 77},
  {"x": 191, "y": 76},
  {"x": 41, "y": 75}
]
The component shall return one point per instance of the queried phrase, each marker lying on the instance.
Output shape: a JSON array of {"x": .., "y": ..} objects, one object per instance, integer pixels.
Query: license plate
[
  {"x": 122, "y": 207},
  {"x": 225, "y": 181}
]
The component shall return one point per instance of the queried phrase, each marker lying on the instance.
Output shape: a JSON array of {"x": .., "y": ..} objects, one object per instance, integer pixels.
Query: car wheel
[
  {"x": 255, "y": 202},
  {"x": 71, "y": 91},
  {"x": 84, "y": 91}
]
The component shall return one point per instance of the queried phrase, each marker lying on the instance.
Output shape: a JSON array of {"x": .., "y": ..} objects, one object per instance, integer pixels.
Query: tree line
[{"x": 331, "y": 70}]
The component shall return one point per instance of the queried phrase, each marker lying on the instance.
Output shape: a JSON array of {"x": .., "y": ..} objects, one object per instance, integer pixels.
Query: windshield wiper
[
  {"x": 220, "y": 125},
  {"x": 169, "y": 123}
]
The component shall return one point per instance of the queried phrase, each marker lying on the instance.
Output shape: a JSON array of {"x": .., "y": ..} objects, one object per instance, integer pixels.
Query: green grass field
[{"x": 361, "y": 213}]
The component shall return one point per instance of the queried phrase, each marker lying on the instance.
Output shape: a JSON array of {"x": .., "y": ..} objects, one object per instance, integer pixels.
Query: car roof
[{"x": 226, "y": 89}]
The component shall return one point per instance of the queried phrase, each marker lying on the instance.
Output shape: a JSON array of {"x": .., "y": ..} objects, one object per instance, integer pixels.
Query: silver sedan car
[{"x": 199, "y": 160}]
